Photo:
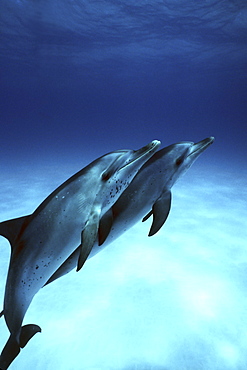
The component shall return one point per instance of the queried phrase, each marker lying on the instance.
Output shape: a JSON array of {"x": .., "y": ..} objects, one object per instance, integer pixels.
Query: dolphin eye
[
  {"x": 106, "y": 175},
  {"x": 179, "y": 161}
]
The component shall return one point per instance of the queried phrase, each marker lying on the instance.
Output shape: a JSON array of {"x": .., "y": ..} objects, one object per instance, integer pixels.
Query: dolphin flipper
[
  {"x": 12, "y": 347},
  {"x": 88, "y": 237},
  {"x": 160, "y": 212},
  {"x": 105, "y": 226},
  {"x": 147, "y": 216}
]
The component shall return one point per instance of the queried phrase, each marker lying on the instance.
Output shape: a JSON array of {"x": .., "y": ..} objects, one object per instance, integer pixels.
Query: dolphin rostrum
[
  {"x": 42, "y": 241},
  {"x": 149, "y": 194}
]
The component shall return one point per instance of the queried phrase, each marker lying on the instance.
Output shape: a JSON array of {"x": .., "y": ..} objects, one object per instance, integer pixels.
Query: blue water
[{"x": 82, "y": 78}]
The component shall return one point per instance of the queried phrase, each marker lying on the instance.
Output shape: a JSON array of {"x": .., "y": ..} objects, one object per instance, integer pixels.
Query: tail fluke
[
  {"x": 27, "y": 332},
  {"x": 9, "y": 353},
  {"x": 12, "y": 347}
]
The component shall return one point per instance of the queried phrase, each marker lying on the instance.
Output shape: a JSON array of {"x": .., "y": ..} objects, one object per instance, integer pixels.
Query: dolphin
[
  {"x": 42, "y": 241},
  {"x": 149, "y": 194}
]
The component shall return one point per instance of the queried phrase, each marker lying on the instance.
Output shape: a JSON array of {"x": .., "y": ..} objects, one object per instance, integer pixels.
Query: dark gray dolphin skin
[
  {"x": 148, "y": 194},
  {"x": 42, "y": 241}
]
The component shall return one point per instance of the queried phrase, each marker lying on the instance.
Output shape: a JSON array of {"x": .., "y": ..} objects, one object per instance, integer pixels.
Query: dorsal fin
[{"x": 11, "y": 229}]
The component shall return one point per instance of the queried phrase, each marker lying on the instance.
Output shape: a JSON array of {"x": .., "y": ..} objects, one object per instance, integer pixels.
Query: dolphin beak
[
  {"x": 199, "y": 147},
  {"x": 151, "y": 147},
  {"x": 143, "y": 153}
]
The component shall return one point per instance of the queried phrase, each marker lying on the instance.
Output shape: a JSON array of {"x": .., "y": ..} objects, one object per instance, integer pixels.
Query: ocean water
[{"x": 80, "y": 79}]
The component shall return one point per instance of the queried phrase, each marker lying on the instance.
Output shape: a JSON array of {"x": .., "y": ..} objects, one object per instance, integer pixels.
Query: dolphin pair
[
  {"x": 150, "y": 189},
  {"x": 149, "y": 194},
  {"x": 68, "y": 217}
]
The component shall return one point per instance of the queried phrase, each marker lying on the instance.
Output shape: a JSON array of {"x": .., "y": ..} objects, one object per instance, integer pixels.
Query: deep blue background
[{"x": 99, "y": 75}]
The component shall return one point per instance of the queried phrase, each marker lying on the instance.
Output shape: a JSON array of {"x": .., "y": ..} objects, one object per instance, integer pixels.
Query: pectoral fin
[
  {"x": 160, "y": 211},
  {"x": 147, "y": 216},
  {"x": 88, "y": 237},
  {"x": 105, "y": 226}
]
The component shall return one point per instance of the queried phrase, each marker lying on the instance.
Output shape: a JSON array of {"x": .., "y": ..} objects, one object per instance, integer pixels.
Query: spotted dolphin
[
  {"x": 149, "y": 194},
  {"x": 42, "y": 241}
]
